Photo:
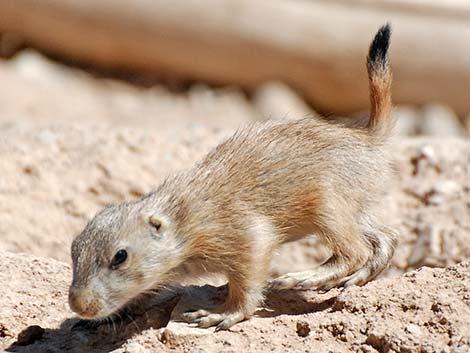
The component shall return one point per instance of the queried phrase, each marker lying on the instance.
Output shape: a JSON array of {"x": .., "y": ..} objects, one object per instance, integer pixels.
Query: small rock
[
  {"x": 377, "y": 341},
  {"x": 414, "y": 330},
  {"x": 30, "y": 335},
  {"x": 30, "y": 169},
  {"x": 349, "y": 336},
  {"x": 428, "y": 153},
  {"x": 425, "y": 156},
  {"x": 303, "y": 328},
  {"x": 446, "y": 188},
  {"x": 134, "y": 347},
  {"x": 407, "y": 120},
  {"x": 427, "y": 250},
  {"x": 34, "y": 66},
  {"x": 439, "y": 120},
  {"x": 177, "y": 333},
  {"x": 441, "y": 191},
  {"x": 435, "y": 199},
  {"x": 4, "y": 331}
]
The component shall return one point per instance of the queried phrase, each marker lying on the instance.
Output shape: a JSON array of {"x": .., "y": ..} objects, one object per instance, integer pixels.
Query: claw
[
  {"x": 224, "y": 325},
  {"x": 210, "y": 320},
  {"x": 221, "y": 326},
  {"x": 282, "y": 283},
  {"x": 205, "y": 319},
  {"x": 229, "y": 321},
  {"x": 191, "y": 316},
  {"x": 306, "y": 284}
]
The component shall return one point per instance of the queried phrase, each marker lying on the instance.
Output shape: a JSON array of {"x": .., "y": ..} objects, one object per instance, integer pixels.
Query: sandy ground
[
  {"x": 70, "y": 144},
  {"x": 427, "y": 310}
]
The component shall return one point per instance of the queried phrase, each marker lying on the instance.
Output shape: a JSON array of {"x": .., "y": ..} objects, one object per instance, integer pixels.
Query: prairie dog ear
[{"x": 154, "y": 220}]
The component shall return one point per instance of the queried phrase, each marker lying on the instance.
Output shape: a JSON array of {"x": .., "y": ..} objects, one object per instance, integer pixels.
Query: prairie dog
[{"x": 267, "y": 184}]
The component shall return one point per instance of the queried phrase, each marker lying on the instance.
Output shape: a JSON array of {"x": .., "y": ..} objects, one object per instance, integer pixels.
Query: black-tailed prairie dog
[{"x": 267, "y": 184}]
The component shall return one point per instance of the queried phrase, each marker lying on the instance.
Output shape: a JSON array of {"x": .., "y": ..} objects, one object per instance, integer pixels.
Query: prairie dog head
[{"x": 124, "y": 251}]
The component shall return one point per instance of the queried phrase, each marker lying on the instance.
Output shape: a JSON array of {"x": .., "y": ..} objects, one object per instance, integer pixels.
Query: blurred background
[
  {"x": 180, "y": 61},
  {"x": 100, "y": 99}
]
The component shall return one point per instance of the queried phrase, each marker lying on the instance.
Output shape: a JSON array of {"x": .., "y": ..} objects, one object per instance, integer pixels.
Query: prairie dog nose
[
  {"x": 75, "y": 300},
  {"x": 81, "y": 302}
]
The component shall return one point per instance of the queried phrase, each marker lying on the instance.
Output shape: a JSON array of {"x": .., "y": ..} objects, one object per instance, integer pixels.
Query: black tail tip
[{"x": 378, "y": 51}]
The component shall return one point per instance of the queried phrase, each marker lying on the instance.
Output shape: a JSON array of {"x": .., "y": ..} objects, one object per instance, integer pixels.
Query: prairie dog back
[{"x": 267, "y": 184}]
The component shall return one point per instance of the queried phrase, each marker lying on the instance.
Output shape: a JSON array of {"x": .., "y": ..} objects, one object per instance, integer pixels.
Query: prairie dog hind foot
[
  {"x": 337, "y": 271},
  {"x": 380, "y": 242},
  {"x": 325, "y": 277}
]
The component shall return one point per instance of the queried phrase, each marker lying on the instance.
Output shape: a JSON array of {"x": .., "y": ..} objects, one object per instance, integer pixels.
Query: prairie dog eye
[{"x": 119, "y": 258}]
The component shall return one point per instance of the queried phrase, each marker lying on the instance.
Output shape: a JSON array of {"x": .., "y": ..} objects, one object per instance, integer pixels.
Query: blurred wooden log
[{"x": 317, "y": 47}]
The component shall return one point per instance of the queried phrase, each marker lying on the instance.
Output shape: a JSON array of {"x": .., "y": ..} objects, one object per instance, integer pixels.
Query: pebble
[
  {"x": 178, "y": 333},
  {"x": 443, "y": 190},
  {"x": 134, "y": 347},
  {"x": 4, "y": 331},
  {"x": 407, "y": 120},
  {"x": 427, "y": 250},
  {"x": 424, "y": 157},
  {"x": 427, "y": 152},
  {"x": 413, "y": 330},
  {"x": 446, "y": 188},
  {"x": 303, "y": 328},
  {"x": 439, "y": 120}
]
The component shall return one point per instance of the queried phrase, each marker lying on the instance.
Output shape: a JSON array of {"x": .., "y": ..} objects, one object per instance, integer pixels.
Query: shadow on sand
[{"x": 75, "y": 335}]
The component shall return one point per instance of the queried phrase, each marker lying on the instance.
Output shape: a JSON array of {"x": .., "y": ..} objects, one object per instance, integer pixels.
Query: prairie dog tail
[{"x": 380, "y": 84}]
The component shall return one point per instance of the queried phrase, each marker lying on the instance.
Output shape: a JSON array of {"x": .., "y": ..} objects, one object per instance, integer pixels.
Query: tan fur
[{"x": 267, "y": 184}]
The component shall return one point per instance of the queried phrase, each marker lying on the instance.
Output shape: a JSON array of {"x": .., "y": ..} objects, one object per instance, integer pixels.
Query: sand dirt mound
[{"x": 427, "y": 310}]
